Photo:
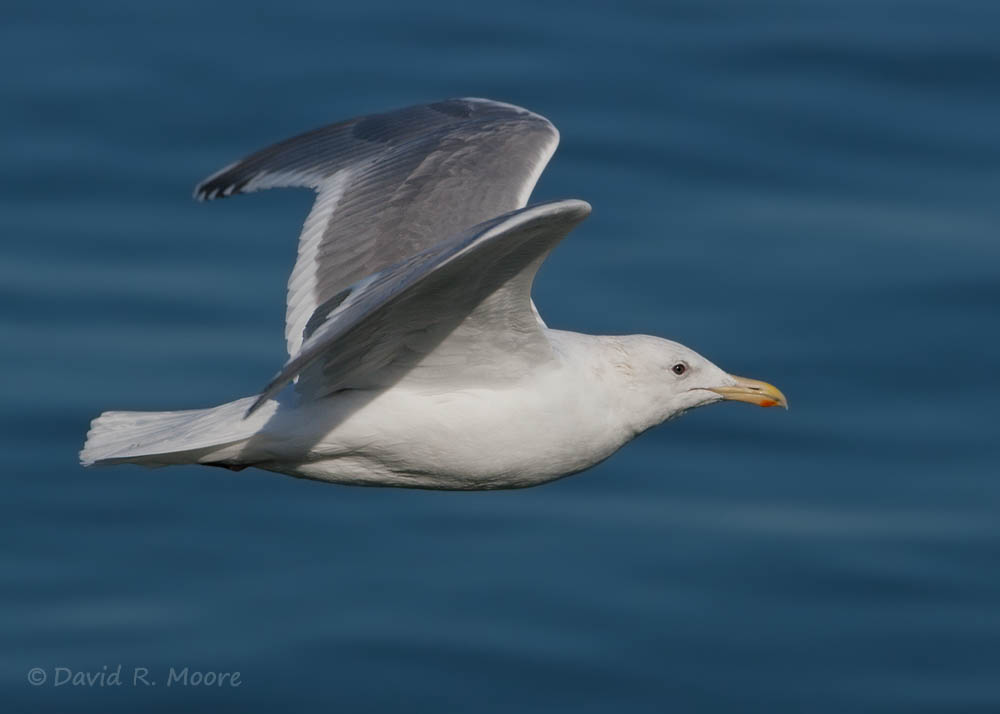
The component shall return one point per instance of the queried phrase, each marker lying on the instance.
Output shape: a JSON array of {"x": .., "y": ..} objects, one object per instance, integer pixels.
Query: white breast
[{"x": 524, "y": 434}]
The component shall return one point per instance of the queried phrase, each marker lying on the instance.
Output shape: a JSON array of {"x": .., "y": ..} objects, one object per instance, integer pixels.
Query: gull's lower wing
[
  {"x": 391, "y": 185},
  {"x": 459, "y": 308}
]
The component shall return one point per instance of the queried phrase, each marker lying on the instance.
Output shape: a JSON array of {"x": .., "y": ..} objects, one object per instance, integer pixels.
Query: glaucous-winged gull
[{"x": 416, "y": 356}]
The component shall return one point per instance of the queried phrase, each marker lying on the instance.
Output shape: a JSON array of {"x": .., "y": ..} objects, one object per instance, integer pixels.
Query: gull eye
[{"x": 679, "y": 368}]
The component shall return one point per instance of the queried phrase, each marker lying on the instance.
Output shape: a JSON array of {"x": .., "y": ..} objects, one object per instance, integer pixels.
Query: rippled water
[{"x": 804, "y": 192}]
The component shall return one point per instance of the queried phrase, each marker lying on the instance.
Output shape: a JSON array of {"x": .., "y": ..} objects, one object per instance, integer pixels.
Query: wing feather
[
  {"x": 461, "y": 308},
  {"x": 391, "y": 185}
]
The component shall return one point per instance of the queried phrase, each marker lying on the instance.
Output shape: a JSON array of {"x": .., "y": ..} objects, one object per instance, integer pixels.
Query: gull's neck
[{"x": 621, "y": 387}]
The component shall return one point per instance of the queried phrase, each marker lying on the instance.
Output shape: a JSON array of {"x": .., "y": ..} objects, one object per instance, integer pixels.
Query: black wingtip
[
  {"x": 272, "y": 388},
  {"x": 256, "y": 405},
  {"x": 221, "y": 186},
  {"x": 204, "y": 192}
]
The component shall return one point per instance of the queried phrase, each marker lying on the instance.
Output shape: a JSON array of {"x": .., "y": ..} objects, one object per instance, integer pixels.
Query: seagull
[{"x": 416, "y": 357}]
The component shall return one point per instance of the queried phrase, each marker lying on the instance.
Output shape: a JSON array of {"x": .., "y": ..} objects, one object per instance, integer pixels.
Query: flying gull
[{"x": 416, "y": 357}]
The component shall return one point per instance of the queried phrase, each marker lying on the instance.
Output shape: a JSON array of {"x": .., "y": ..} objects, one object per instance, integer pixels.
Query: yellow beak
[{"x": 753, "y": 391}]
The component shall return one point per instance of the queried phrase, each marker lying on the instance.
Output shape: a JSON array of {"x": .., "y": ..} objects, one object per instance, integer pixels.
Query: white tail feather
[{"x": 162, "y": 438}]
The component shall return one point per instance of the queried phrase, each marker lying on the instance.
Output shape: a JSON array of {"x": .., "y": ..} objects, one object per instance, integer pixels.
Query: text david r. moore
[{"x": 121, "y": 676}]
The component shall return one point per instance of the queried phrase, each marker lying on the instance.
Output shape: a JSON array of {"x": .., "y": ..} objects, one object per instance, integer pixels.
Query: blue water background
[{"x": 805, "y": 192}]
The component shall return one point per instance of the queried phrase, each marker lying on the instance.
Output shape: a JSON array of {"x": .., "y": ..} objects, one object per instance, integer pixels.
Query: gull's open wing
[
  {"x": 391, "y": 185},
  {"x": 458, "y": 310}
]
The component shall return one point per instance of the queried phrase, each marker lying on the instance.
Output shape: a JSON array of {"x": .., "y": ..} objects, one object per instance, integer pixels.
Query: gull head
[{"x": 667, "y": 379}]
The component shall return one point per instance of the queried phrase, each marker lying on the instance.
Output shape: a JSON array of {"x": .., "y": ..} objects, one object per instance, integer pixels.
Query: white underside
[{"x": 503, "y": 436}]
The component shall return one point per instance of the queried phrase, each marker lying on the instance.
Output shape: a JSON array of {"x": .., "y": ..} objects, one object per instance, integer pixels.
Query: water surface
[{"x": 803, "y": 192}]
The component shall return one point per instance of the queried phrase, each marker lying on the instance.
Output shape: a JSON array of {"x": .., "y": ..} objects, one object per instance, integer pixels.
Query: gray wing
[
  {"x": 459, "y": 311},
  {"x": 390, "y": 185}
]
